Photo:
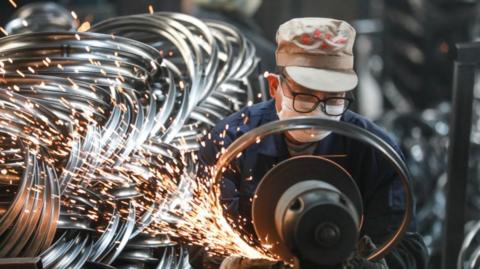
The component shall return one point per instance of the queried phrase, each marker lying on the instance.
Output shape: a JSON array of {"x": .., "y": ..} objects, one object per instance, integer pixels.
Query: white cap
[{"x": 317, "y": 53}]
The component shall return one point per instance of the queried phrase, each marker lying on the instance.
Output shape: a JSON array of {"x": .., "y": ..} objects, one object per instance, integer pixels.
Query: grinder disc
[{"x": 284, "y": 175}]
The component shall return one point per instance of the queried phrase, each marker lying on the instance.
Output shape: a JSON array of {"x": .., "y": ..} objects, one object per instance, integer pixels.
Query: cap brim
[{"x": 323, "y": 79}]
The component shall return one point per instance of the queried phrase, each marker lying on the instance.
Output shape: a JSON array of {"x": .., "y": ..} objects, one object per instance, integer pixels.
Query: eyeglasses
[{"x": 305, "y": 103}]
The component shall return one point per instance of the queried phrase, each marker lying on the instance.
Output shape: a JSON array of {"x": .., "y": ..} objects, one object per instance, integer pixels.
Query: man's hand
[
  {"x": 236, "y": 262},
  {"x": 358, "y": 262},
  {"x": 365, "y": 247}
]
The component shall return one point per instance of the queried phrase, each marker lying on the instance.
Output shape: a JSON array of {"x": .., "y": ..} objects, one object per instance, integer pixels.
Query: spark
[
  {"x": 198, "y": 217},
  {"x": 3, "y": 31},
  {"x": 85, "y": 26},
  {"x": 74, "y": 15},
  {"x": 20, "y": 73},
  {"x": 12, "y": 2}
]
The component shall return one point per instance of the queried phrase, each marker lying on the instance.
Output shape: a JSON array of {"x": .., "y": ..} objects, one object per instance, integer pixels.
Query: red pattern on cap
[
  {"x": 341, "y": 40},
  {"x": 306, "y": 39}
]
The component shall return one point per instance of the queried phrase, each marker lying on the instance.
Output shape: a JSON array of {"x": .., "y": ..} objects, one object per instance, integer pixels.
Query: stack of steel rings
[
  {"x": 213, "y": 59},
  {"x": 89, "y": 120}
]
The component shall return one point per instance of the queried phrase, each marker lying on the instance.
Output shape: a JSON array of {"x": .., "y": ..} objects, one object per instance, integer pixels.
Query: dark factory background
[
  {"x": 412, "y": 40},
  {"x": 404, "y": 56}
]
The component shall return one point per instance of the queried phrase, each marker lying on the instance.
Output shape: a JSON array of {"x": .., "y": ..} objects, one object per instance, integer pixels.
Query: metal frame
[{"x": 468, "y": 59}]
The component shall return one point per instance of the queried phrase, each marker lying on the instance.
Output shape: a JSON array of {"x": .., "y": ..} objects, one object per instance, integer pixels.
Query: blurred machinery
[
  {"x": 409, "y": 54},
  {"x": 427, "y": 137},
  {"x": 419, "y": 39}
]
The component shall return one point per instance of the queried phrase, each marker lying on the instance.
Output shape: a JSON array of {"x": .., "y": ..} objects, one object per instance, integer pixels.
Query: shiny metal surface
[
  {"x": 92, "y": 114},
  {"x": 469, "y": 256},
  {"x": 40, "y": 17}
]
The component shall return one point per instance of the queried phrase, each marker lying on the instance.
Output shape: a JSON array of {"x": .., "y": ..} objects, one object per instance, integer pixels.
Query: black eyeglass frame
[{"x": 347, "y": 100}]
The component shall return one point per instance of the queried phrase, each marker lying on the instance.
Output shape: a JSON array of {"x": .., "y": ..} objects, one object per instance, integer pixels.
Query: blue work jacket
[{"x": 378, "y": 182}]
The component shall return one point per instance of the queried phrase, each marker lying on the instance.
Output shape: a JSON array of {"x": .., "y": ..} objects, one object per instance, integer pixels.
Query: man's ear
[{"x": 272, "y": 83}]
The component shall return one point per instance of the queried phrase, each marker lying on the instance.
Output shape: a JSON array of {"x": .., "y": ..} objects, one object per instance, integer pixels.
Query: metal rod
[{"x": 458, "y": 157}]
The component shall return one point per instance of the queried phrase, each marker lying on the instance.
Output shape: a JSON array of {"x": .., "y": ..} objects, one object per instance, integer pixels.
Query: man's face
[{"x": 290, "y": 88}]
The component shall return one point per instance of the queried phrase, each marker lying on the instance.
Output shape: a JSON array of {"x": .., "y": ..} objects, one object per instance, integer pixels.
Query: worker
[{"x": 315, "y": 78}]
